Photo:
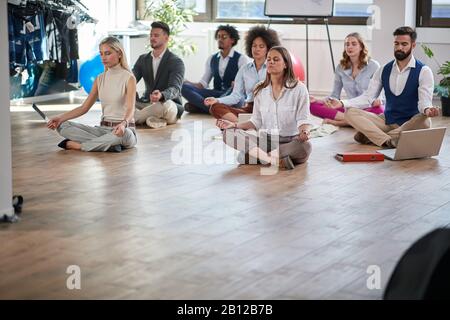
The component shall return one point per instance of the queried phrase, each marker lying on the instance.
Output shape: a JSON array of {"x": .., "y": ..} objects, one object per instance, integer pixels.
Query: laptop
[
  {"x": 40, "y": 112},
  {"x": 415, "y": 144}
]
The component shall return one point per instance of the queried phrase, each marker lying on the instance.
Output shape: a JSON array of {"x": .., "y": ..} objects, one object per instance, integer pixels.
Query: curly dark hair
[
  {"x": 269, "y": 36},
  {"x": 232, "y": 32}
]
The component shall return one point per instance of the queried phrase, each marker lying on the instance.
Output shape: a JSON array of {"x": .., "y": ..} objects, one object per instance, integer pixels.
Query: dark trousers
[{"x": 196, "y": 96}]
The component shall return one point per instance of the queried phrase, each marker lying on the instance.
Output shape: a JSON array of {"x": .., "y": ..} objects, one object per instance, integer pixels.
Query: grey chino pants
[
  {"x": 96, "y": 138},
  {"x": 288, "y": 146}
]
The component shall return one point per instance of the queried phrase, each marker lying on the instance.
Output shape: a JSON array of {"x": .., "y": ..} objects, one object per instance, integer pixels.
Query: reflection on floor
[{"x": 175, "y": 218}]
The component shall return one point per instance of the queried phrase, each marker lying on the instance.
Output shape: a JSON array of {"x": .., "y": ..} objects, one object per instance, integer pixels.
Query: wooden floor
[{"x": 143, "y": 227}]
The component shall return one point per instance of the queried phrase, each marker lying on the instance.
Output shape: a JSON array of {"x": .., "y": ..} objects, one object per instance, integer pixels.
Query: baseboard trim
[{"x": 74, "y": 95}]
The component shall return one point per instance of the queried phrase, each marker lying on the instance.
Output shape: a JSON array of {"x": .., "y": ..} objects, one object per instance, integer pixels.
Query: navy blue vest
[
  {"x": 230, "y": 71},
  {"x": 400, "y": 109}
]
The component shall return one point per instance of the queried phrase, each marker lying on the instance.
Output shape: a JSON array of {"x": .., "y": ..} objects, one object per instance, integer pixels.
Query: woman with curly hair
[
  {"x": 258, "y": 42},
  {"x": 353, "y": 74}
]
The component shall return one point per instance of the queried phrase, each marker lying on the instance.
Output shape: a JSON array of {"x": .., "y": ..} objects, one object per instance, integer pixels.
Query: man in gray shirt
[{"x": 163, "y": 74}]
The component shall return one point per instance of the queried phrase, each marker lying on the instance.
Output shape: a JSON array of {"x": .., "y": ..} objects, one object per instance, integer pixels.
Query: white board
[{"x": 299, "y": 8}]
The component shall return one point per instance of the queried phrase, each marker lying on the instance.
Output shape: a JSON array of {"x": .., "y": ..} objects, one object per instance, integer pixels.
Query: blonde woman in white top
[
  {"x": 280, "y": 113},
  {"x": 116, "y": 89}
]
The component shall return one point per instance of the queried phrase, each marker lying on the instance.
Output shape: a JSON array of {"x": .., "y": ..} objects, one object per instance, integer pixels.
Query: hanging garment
[
  {"x": 72, "y": 76},
  {"x": 53, "y": 37},
  {"x": 26, "y": 36}
]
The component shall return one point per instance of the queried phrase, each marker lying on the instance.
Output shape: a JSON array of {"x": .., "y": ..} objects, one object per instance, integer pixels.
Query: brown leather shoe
[
  {"x": 361, "y": 138},
  {"x": 192, "y": 108},
  {"x": 390, "y": 144}
]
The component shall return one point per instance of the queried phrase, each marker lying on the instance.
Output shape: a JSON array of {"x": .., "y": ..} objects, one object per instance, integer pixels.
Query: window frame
[
  {"x": 207, "y": 16},
  {"x": 424, "y": 18}
]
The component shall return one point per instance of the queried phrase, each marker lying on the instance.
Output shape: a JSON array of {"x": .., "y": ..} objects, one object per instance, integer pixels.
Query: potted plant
[
  {"x": 443, "y": 88},
  {"x": 176, "y": 16}
]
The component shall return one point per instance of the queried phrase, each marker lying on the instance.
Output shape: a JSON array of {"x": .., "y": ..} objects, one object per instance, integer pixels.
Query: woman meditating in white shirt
[
  {"x": 280, "y": 115},
  {"x": 116, "y": 89}
]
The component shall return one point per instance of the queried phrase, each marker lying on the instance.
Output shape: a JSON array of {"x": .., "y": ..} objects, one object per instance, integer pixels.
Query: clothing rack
[
  {"x": 77, "y": 6},
  {"x": 44, "y": 45}
]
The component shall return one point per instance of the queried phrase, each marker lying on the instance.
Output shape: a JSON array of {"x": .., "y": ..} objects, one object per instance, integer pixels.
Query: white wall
[
  {"x": 403, "y": 12},
  {"x": 111, "y": 15},
  {"x": 5, "y": 121},
  {"x": 438, "y": 39},
  {"x": 393, "y": 14}
]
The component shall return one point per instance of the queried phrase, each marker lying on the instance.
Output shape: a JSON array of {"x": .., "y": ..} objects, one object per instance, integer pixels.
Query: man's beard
[
  {"x": 400, "y": 55},
  {"x": 155, "y": 46}
]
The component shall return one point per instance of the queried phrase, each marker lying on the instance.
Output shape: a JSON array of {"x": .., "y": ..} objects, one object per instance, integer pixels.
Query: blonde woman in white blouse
[
  {"x": 116, "y": 89},
  {"x": 280, "y": 115}
]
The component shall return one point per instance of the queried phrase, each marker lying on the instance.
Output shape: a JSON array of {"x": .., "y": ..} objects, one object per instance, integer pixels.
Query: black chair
[{"x": 423, "y": 272}]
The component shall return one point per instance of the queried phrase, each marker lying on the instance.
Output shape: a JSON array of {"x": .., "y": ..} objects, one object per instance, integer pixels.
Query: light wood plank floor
[{"x": 140, "y": 226}]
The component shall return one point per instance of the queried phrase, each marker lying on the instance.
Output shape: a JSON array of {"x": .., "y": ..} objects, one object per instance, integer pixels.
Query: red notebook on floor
[{"x": 356, "y": 157}]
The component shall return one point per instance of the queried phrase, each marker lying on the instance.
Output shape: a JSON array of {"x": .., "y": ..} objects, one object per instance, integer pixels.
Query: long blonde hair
[
  {"x": 364, "y": 57},
  {"x": 289, "y": 78},
  {"x": 115, "y": 45}
]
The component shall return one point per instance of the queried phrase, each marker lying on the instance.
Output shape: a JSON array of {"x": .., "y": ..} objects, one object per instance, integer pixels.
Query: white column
[
  {"x": 394, "y": 14},
  {"x": 5, "y": 120}
]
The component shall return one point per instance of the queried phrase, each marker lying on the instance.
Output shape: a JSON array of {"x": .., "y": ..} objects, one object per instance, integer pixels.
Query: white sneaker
[{"x": 155, "y": 123}]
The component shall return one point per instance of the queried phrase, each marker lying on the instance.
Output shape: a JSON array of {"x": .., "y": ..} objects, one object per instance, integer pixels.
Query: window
[
  {"x": 254, "y": 9},
  {"x": 433, "y": 13},
  {"x": 202, "y": 7},
  {"x": 440, "y": 9},
  {"x": 345, "y": 11},
  {"x": 243, "y": 9},
  {"x": 352, "y": 8}
]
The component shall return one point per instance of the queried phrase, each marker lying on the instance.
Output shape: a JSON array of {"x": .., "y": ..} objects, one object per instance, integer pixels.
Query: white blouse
[{"x": 284, "y": 115}]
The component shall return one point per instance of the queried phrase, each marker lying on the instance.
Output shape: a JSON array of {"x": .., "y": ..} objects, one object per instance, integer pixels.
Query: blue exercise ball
[{"x": 89, "y": 70}]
